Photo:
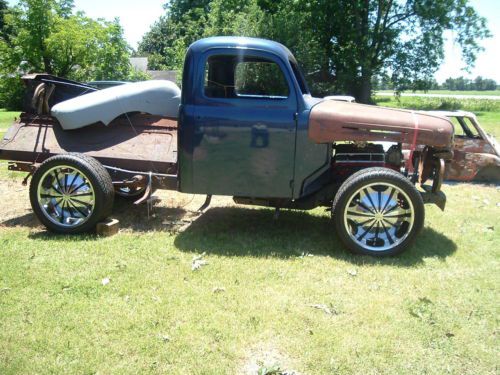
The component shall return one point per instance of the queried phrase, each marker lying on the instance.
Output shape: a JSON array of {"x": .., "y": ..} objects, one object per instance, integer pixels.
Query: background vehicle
[
  {"x": 476, "y": 154},
  {"x": 247, "y": 127}
]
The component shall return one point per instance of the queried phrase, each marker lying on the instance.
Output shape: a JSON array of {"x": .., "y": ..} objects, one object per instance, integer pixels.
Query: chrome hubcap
[
  {"x": 379, "y": 216},
  {"x": 66, "y": 196}
]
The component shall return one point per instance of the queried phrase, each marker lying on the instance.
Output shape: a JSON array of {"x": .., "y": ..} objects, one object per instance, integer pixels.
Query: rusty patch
[
  {"x": 473, "y": 157},
  {"x": 334, "y": 121}
]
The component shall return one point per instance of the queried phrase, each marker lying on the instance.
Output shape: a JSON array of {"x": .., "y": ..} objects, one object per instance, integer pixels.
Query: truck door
[{"x": 244, "y": 126}]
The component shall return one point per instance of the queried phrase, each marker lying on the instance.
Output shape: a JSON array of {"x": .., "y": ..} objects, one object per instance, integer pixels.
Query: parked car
[
  {"x": 248, "y": 127},
  {"x": 476, "y": 154}
]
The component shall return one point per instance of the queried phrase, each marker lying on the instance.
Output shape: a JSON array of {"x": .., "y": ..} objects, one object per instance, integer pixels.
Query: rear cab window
[{"x": 244, "y": 77}]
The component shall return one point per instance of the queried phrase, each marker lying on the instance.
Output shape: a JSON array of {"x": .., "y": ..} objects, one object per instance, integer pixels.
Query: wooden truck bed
[{"x": 138, "y": 142}]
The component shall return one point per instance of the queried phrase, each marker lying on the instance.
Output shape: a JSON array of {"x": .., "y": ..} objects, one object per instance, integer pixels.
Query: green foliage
[
  {"x": 341, "y": 44},
  {"x": 45, "y": 36},
  {"x": 3, "y": 10},
  {"x": 464, "y": 84},
  {"x": 11, "y": 91}
]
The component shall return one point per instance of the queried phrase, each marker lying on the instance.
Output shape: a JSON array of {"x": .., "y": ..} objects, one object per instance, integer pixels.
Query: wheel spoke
[
  {"x": 51, "y": 196},
  {"x": 57, "y": 190},
  {"x": 367, "y": 194},
  {"x": 74, "y": 178},
  {"x": 81, "y": 195},
  {"x": 367, "y": 230},
  {"x": 78, "y": 187},
  {"x": 61, "y": 218},
  {"x": 388, "y": 199},
  {"x": 58, "y": 182},
  {"x": 81, "y": 202},
  {"x": 359, "y": 214},
  {"x": 66, "y": 182},
  {"x": 377, "y": 229},
  {"x": 405, "y": 214},
  {"x": 361, "y": 204},
  {"x": 77, "y": 209},
  {"x": 387, "y": 234},
  {"x": 390, "y": 209}
]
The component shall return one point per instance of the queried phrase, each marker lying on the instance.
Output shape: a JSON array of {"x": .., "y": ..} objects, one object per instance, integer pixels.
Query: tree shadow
[
  {"x": 233, "y": 231},
  {"x": 237, "y": 231},
  {"x": 132, "y": 218}
]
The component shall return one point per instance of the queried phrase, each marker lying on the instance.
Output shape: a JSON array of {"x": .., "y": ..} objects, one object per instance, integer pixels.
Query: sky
[{"x": 137, "y": 16}]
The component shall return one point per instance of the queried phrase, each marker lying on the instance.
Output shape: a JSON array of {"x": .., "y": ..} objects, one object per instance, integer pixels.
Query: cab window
[{"x": 244, "y": 77}]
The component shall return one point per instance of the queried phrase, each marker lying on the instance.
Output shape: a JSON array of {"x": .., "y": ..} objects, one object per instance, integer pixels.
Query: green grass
[
  {"x": 6, "y": 119},
  {"x": 490, "y": 121},
  {"x": 450, "y": 92},
  {"x": 425, "y": 103},
  {"x": 432, "y": 310}
]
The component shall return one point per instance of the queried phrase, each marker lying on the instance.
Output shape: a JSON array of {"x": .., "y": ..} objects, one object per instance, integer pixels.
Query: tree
[
  {"x": 343, "y": 44},
  {"x": 362, "y": 38},
  {"x": 46, "y": 36},
  {"x": 3, "y": 10}
]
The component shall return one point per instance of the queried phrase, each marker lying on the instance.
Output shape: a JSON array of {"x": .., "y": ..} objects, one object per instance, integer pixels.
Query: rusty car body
[
  {"x": 476, "y": 154},
  {"x": 239, "y": 133}
]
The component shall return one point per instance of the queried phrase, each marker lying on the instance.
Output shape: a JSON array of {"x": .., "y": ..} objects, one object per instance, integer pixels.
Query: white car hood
[{"x": 160, "y": 98}]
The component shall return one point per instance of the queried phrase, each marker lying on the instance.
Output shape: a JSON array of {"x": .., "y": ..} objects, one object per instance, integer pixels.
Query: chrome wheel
[
  {"x": 66, "y": 196},
  {"x": 379, "y": 216}
]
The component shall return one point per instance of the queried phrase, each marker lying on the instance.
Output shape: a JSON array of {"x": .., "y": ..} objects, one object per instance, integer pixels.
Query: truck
[{"x": 246, "y": 126}]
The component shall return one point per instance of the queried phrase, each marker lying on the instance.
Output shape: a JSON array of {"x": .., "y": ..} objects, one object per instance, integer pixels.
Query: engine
[{"x": 351, "y": 157}]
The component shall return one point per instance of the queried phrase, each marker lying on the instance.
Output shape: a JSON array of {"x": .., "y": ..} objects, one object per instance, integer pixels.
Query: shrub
[{"x": 11, "y": 92}]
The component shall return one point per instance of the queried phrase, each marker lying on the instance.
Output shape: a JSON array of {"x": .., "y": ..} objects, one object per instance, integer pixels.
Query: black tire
[
  {"x": 130, "y": 195},
  {"x": 349, "y": 205},
  {"x": 95, "y": 178}
]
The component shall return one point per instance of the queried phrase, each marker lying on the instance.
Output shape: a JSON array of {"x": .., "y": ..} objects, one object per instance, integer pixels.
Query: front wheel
[{"x": 378, "y": 212}]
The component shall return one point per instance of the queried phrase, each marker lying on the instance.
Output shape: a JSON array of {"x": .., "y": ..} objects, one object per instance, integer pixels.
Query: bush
[{"x": 11, "y": 92}]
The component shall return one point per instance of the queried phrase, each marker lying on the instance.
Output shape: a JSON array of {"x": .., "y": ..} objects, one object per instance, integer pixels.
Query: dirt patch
[
  {"x": 174, "y": 211},
  {"x": 269, "y": 357},
  {"x": 16, "y": 210}
]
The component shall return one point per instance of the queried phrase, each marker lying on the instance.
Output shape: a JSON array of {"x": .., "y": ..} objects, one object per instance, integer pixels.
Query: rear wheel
[
  {"x": 70, "y": 193},
  {"x": 377, "y": 211}
]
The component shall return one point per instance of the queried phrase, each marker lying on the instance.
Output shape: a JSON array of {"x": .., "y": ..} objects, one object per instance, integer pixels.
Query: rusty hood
[{"x": 334, "y": 121}]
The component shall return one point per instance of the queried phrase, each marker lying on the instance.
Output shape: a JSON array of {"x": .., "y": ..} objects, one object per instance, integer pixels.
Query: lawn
[
  {"x": 490, "y": 121},
  {"x": 6, "y": 119},
  {"x": 272, "y": 293}
]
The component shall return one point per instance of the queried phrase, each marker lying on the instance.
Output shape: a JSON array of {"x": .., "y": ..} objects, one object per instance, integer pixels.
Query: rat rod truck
[{"x": 245, "y": 126}]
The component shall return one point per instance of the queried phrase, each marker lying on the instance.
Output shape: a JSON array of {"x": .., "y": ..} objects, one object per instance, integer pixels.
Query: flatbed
[{"x": 137, "y": 142}]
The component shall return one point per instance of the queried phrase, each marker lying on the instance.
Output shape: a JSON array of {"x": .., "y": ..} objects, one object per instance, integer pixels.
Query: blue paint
[{"x": 245, "y": 145}]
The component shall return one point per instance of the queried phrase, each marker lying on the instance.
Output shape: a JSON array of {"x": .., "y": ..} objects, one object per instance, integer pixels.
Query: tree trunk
[{"x": 362, "y": 89}]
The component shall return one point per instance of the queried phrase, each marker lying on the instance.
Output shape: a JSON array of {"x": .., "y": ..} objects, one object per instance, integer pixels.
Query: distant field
[
  {"x": 449, "y": 92},
  {"x": 487, "y": 111}
]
